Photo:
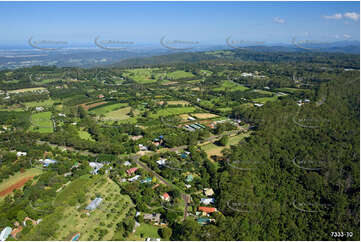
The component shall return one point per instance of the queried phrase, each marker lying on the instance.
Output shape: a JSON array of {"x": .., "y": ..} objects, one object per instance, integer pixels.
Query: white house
[
  {"x": 18, "y": 154},
  {"x": 161, "y": 162},
  {"x": 39, "y": 109},
  {"x": 134, "y": 178},
  {"x": 5, "y": 233},
  {"x": 207, "y": 201},
  {"x": 96, "y": 167}
]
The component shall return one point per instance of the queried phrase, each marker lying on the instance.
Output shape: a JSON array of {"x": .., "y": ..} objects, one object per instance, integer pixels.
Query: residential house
[
  {"x": 165, "y": 197},
  {"x": 18, "y": 154},
  {"x": 96, "y": 167},
  {"x": 207, "y": 201},
  {"x": 134, "y": 178},
  {"x": 132, "y": 170},
  {"x": 208, "y": 192},
  {"x": 161, "y": 162},
  {"x": 142, "y": 147},
  {"x": 39, "y": 109},
  {"x": 127, "y": 163},
  {"x": 189, "y": 178},
  {"x": 155, "y": 217},
  {"x": 207, "y": 210}
]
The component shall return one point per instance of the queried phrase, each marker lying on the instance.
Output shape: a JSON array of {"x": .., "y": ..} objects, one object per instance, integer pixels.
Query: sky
[{"x": 202, "y": 22}]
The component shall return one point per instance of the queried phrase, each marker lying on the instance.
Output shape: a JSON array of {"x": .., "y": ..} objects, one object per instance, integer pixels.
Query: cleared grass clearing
[
  {"x": 41, "y": 122},
  {"x": 291, "y": 90},
  {"x": 27, "y": 90},
  {"x": 19, "y": 176},
  {"x": 265, "y": 99},
  {"x": 172, "y": 111},
  {"x": 211, "y": 149},
  {"x": 204, "y": 115},
  {"x": 145, "y": 75},
  {"x": 180, "y": 74},
  {"x": 108, "y": 108},
  {"x": 178, "y": 102},
  {"x": 45, "y": 103},
  {"x": 87, "y": 106},
  {"x": 231, "y": 86},
  {"x": 120, "y": 114},
  {"x": 111, "y": 211},
  {"x": 147, "y": 230},
  {"x": 263, "y": 92}
]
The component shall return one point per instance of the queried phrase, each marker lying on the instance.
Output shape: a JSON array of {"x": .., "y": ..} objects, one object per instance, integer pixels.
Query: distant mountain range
[{"x": 12, "y": 56}]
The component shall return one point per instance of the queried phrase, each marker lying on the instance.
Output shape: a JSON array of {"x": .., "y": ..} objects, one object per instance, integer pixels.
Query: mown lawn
[
  {"x": 265, "y": 99},
  {"x": 108, "y": 108},
  {"x": 41, "y": 122},
  {"x": 45, "y": 103},
  {"x": 231, "y": 86},
  {"x": 172, "y": 111},
  {"x": 144, "y": 231}
]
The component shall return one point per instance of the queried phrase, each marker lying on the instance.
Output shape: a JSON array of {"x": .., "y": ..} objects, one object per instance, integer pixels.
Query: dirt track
[{"x": 17, "y": 185}]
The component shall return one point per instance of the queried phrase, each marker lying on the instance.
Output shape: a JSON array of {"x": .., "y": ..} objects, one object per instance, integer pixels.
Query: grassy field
[
  {"x": 212, "y": 149},
  {"x": 263, "y": 92},
  {"x": 231, "y": 86},
  {"x": 144, "y": 75},
  {"x": 180, "y": 74},
  {"x": 177, "y": 102},
  {"x": 27, "y": 90},
  {"x": 120, "y": 114},
  {"x": 108, "y": 108},
  {"x": 111, "y": 211},
  {"x": 41, "y": 122},
  {"x": 265, "y": 99},
  {"x": 144, "y": 231},
  {"x": 204, "y": 115},
  {"x": 46, "y": 103},
  {"x": 172, "y": 111},
  {"x": 19, "y": 176},
  {"x": 291, "y": 90}
]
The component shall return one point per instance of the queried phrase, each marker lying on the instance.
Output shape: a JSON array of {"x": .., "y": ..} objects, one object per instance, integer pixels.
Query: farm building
[
  {"x": 47, "y": 162},
  {"x": 5, "y": 233},
  {"x": 94, "y": 204}
]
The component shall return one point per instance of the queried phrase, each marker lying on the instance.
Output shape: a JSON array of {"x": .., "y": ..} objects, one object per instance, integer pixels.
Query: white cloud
[
  {"x": 335, "y": 16},
  {"x": 352, "y": 15},
  {"x": 347, "y": 36},
  {"x": 279, "y": 20}
]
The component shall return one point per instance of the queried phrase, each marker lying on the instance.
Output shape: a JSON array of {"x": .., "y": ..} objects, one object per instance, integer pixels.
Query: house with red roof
[
  {"x": 165, "y": 197},
  {"x": 207, "y": 210},
  {"x": 132, "y": 170}
]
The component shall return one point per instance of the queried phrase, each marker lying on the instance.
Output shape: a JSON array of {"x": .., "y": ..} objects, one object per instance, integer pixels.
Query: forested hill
[
  {"x": 250, "y": 54},
  {"x": 297, "y": 176}
]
